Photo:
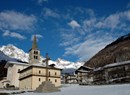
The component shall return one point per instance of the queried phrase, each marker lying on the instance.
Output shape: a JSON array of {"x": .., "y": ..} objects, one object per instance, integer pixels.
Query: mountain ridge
[
  {"x": 117, "y": 51},
  {"x": 14, "y": 52}
]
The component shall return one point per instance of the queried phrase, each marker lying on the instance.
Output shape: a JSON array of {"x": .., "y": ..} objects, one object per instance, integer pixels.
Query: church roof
[
  {"x": 117, "y": 64},
  {"x": 34, "y": 44},
  {"x": 15, "y": 63},
  {"x": 38, "y": 66}
]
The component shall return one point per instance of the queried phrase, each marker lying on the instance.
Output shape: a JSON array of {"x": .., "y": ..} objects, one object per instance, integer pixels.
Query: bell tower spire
[
  {"x": 34, "y": 45},
  {"x": 34, "y": 52}
]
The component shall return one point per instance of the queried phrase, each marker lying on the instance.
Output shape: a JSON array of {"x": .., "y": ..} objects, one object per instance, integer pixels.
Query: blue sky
[{"x": 74, "y": 30}]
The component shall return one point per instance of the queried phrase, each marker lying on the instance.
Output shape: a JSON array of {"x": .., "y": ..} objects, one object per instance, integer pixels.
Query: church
[{"x": 29, "y": 76}]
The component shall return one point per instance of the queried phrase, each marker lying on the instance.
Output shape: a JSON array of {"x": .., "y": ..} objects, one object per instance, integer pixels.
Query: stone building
[
  {"x": 34, "y": 53},
  {"x": 84, "y": 75},
  {"x": 117, "y": 72},
  {"x": 30, "y": 75},
  {"x": 69, "y": 76},
  {"x": 112, "y": 73},
  {"x": 99, "y": 76},
  {"x": 109, "y": 74},
  {"x": 34, "y": 75},
  {"x": 12, "y": 72}
]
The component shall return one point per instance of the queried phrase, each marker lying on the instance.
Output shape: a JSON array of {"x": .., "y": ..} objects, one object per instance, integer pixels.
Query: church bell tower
[{"x": 34, "y": 52}]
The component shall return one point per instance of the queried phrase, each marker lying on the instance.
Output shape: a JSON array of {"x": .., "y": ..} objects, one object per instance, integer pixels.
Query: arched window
[
  {"x": 35, "y": 57},
  {"x": 35, "y": 52}
]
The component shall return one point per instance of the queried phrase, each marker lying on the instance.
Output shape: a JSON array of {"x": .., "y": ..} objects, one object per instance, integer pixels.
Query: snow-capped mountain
[
  {"x": 61, "y": 63},
  {"x": 14, "y": 52},
  {"x": 5, "y": 57}
]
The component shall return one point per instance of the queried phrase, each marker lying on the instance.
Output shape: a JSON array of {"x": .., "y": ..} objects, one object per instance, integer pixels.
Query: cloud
[
  {"x": 37, "y": 35},
  {"x": 12, "y": 20},
  {"x": 90, "y": 46},
  {"x": 74, "y": 24},
  {"x": 47, "y": 12},
  {"x": 114, "y": 21},
  {"x": 69, "y": 39},
  {"x": 41, "y": 1},
  {"x": 13, "y": 35},
  {"x": 111, "y": 21},
  {"x": 126, "y": 14},
  {"x": 93, "y": 33},
  {"x": 128, "y": 5},
  {"x": 88, "y": 25}
]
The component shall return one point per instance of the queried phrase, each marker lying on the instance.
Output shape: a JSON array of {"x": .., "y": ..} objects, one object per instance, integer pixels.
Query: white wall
[{"x": 13, "y": 75}]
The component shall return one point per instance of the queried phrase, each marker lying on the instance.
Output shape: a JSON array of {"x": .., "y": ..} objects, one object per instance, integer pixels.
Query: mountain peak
[{"x": 14, "y": 52}]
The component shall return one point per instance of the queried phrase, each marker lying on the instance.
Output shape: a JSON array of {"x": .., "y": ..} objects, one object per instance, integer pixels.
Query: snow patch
[{"x": 122, "y": 89}]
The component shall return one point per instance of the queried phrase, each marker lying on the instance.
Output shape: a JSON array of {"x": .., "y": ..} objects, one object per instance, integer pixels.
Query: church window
[
  {"x": 55, "y": 80},
  {"x": 39, "y": 72},
  {"x": 35, "y": 52},
  {"x": 49, "y": 73},
  {"x": 55, "y": 73},
  {"x": 39, "y": 79},
  {"x": 35, "y": 57}
]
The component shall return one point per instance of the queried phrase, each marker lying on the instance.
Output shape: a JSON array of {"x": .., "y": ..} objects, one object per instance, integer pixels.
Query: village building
[
  {"x": 112, "y": 73},
  {"x": 69, "y": 76},
  {"x": 117, "y": 72},
  {"x": 84, "y": 75},
  {"x": 99, "y": 76},
  {"x": 109, "y": 74},
  {"x": 12, "y": 72},
  {"x": 30, "y": 75}
]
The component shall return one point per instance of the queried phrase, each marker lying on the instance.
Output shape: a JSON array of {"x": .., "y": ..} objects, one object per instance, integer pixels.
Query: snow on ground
[{"x": 70, "y": 89}]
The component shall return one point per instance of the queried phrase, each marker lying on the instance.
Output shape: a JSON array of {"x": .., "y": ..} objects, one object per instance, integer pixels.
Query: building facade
[
  {"x": 109, "y": 74},
  {"x": 84, "y": 75},
  {"x": 34, "y": 75},
  {"x": 117, "y": 72},
  {"x": 12, "y": 72},
  {"x": 30, "y": 75}
]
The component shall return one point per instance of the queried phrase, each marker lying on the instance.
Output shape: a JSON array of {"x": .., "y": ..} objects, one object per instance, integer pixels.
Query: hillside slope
[{"x": 117, "y": 51}]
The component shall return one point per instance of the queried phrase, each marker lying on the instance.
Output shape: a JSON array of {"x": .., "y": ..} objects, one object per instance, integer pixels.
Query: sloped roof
[{"x": 117, "y": 64}]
